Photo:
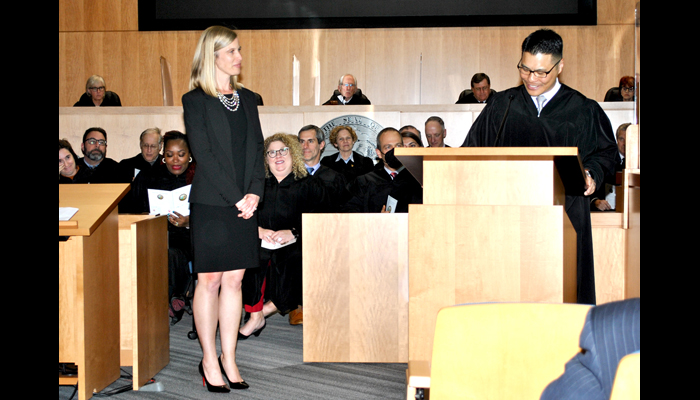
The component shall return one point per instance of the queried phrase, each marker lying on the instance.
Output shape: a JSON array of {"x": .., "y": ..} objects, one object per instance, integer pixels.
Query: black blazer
[{"x": 209, "y": 134}]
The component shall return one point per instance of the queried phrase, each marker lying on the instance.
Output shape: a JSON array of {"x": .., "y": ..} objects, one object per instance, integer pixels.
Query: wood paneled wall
[{"x": 393, "y": 66}]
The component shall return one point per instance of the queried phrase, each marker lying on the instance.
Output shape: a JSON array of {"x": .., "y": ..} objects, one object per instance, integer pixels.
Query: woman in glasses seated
[
  {"x": 623, "y": 92},
  {"x": 96, "y": 94},
  {"x": 289, "y": 192}
]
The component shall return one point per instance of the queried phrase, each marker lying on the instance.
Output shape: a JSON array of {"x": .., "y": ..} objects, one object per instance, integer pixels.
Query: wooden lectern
[
  {"x": 492, "y": 228},
  {"x": 88, "y": 285}
]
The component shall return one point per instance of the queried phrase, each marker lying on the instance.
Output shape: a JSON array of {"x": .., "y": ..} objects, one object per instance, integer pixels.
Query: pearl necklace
[{"x": 232, "y": 103}]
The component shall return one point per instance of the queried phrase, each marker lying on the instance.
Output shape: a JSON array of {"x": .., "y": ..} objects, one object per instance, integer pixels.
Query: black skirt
[{"x": 221, "y": 240}]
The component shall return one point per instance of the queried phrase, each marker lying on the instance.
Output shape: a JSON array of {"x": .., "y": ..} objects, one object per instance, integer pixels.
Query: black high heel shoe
[
  {"x": 256, "y": 333},
  {"x": 210, "y": 387},
  {"x": 234, "y": 385}
]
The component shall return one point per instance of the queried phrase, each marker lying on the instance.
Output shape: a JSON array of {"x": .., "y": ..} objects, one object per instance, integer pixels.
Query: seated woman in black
[
  {"x": 289, "y": 191},
  {"x": 347, "y": 162},
  {"x": 97, "y": 95},
  {"x": 176, "y": 171}
]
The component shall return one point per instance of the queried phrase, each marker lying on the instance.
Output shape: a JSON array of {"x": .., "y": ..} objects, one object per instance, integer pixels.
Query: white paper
[
  {"x": 274, "y": 246},
  {"x": 66, "y": 213},
  {"x": 163, "y": 202},
  {"x": 391, "y": 204}
]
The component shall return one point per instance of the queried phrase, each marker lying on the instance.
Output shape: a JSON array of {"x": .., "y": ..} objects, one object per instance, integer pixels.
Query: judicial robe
[
  {"x": 370, "y": 191},
  {"x": 569, "y": 119},
  {"x": 359, "y": 165},
  {"x": 335, "y": 185},
  {"x": 280, "y": 209}
]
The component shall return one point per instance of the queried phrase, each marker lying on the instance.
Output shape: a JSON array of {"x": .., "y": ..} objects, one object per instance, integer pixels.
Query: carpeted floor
[{"x": 272, "y": 365}]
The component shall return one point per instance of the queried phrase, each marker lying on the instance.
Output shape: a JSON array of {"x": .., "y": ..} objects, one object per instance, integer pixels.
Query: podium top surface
[
  {"x": 496, "y": 153},
  {"x": 93, "y": 201},
  {"x": 566, "y": 159}
]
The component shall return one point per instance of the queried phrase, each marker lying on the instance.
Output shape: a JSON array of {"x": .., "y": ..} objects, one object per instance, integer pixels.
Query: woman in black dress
[
  {"x": 289, "y": 192},
  {"x": 222, "y": 123},
  {"x": 175, "y": 171}
]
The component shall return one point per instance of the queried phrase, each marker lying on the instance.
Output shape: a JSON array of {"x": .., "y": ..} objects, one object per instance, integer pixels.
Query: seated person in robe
[
  {"x": 347, "y": 93},
  {"x": 373, "y": 192}
]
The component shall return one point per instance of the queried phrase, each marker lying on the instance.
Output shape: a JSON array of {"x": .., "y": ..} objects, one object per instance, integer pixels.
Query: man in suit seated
[
  {"x": 312, "y": 145},
  {"x": 611, "y": 332},
  {"x": 435, "y": 132},
  {"x": 347, "y": 93},
  {"x": 480, "y": 93},
  {"x": 95, "y": 167},
  {"x": 371, "y": 192}
]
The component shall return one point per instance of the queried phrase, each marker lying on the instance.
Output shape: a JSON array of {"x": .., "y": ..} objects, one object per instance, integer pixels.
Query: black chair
[{"x": 613, "y": 94}]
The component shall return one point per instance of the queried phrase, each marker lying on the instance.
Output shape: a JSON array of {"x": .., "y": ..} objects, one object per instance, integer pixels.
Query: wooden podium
[
  {"x": 88, "y": 285},
  {"x": 492, "y": 228}
]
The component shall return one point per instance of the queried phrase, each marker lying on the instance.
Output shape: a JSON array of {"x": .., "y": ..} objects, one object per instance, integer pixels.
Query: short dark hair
[
  {"x": 478, "y": 77},
  {"x": 102, "y": 131},
  {"x": 544, "y": 41},
  {"x": 319, "y": 133},
  {"x": 383, "y": 131},
  {"x": 175, "y": 135}
]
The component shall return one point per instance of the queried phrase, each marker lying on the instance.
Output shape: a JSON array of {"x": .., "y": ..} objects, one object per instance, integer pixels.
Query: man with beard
[
  {"x": 95, "y": 167},
  {"x": 370, "y": 192}
]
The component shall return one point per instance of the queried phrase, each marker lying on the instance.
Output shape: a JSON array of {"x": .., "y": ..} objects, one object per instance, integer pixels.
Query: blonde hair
[
  {"x": 291, "y": 141},
  {"x": 334, "y": 134},
  {"x": 203, "y": 73}
]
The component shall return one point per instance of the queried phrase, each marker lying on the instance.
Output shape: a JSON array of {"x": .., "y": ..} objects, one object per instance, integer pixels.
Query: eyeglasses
[
  {"x": 525, "y": 71},
  {"x": 349, "y": 85},
  {"x": 95, "y": 89},
  {"x": 628, "y": 88},
  {"x": 150, "y": 146},
  {"x": 93, "y": 142},
  {"x": 282, "y": 152}
]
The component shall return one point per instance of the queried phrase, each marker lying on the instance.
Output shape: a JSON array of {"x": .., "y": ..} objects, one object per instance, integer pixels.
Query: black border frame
[{"x": 587, "y": 15}]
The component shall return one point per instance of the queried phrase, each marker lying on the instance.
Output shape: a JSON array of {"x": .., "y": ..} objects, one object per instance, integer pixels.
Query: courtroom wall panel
[{"x": 394, "y": 66}]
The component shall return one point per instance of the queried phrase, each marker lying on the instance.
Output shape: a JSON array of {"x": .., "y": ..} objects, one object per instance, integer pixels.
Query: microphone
[{"x": 503, "y": 121}]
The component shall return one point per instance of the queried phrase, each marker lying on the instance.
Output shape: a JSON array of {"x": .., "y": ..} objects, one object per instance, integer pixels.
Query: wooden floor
[{"x": 272, "y": 365}]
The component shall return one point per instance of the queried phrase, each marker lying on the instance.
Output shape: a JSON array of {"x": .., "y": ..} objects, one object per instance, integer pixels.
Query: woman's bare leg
[
  {"x": 230, "y": 310},
  {"x": 206, "y": 316},
  {"x": 257, "y": 319}
]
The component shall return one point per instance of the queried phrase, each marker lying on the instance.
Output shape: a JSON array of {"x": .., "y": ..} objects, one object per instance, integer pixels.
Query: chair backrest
[
  {"x": 627, "y": 384},
  {"x": 503, "y": 350},
  {"x": 166, "y": 82},
  {"x": 613, "y": 94}
]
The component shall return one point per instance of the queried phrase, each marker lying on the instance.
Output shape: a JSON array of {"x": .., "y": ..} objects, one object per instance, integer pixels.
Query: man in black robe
[
  {"x": 95, "y": 167},
  {"x": 544, "y": 113},
  {"x": 312, "y": 145},
  {"x": 370, "y": 192}
]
